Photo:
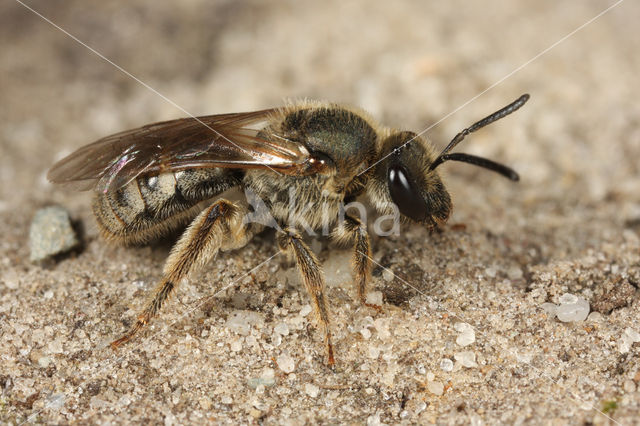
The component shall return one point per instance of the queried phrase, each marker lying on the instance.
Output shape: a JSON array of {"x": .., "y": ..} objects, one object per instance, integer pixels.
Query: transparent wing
[{"x": 225, "y": 140}]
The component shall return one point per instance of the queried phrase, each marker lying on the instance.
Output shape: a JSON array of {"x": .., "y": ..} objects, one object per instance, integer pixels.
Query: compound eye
[{"x": 406, "y": 195}]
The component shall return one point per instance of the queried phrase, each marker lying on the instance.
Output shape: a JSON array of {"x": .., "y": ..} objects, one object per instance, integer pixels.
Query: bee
[{"x": 153, "y": 180}]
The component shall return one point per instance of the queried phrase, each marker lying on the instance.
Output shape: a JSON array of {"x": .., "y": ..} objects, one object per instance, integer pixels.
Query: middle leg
[
  {"x": 309, "y": 267},
  {"x": 353, "y": 231}
]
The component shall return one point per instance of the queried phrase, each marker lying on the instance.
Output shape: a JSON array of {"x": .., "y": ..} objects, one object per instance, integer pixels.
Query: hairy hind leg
[
  {"x": 309, "y": 267},
  {"x": 217, "y": 227}
]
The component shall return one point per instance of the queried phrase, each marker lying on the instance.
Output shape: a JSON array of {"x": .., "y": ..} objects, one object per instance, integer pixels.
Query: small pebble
[
  {"x": 55, "y": 346},
  {"x": 124, "y": 400},
  {"x": 286, "y": 363},
  {"x": 241, "y": 321},
  {"x": 374, "y": 420},
  {"x": 282, "y": 329},
  {"x": 573, "y": 312},
  {"x": 255, "y": 382},
  {"x": 51, "y": 233},
  {"x": 205, "y": 403},
  {"x": 568, "y": 298},
  {"x": 44, "y": 361},
  {"x": 311, "y": 390},
  {"x": 595, "y": 317},
  {"x": 366, "y": 334},
  {"x": 374, "y": 298},
  {"x": 632, "y": 334},
  {"x": 306, "y": 310},
  {"x": 236, "y": 345},
  {"x": 374, "y": 352},
  {"x": 629, "y": 337},
  {"x": 524, "y": 357},
  {"x": 550, "y": 308},
  {"x": 446, "y": 365},
  {"x": 56, "y": 401},
  {"x": 629, "y": 386},
  {"x": 382, "y": 327},
  {"x": 466, "y": 359},
  {"x": 467, "y": 335},
  {"x": 387, "y": 275},
  {"x": 276, "y": 339},
  {"x": 572, "y": 308},
  {"x": 514, "y": 273},
  {"x": 436, "y": 388}
]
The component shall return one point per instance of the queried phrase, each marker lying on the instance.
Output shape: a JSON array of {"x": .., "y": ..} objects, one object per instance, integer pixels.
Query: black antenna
[
  {"x": 505, "y": 171},
  {"x": 479, "y": 161}
]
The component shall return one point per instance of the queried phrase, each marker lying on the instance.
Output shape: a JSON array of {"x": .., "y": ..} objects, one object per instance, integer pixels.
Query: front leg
[
  {"x": 309, "y": 267},
  {"x": 353, "y": 231},
  {"x": 218, "y": 227}
]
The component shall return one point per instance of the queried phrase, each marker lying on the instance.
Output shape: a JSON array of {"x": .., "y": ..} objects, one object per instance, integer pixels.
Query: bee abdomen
[{"x": 152, "y": 206}]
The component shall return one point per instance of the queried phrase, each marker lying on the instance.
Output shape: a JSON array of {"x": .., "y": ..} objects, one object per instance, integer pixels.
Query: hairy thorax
[{"x": 307, "y": 203}]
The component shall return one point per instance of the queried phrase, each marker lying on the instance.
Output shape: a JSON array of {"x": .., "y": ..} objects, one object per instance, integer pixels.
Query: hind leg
[{"x": 219, "y": 226}]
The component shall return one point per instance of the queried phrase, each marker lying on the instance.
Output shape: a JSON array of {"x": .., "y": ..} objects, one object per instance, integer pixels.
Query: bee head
[
  {"x": 406, "y": 175},
  {"x": 404, "y": 179}
]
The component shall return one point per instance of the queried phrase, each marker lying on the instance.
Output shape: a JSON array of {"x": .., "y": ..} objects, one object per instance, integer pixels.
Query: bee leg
[
  {"x": 353, "y": 231},
  {"x": 218, "y": 227},
  {"x": 309, "y": 267}
]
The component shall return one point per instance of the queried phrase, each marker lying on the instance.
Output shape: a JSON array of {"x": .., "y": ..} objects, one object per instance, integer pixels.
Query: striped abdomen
[{"x": 152, "y": 206}]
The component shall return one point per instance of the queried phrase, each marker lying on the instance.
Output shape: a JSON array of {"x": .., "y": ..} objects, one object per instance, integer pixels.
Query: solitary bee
[{"x": 154, "y": 179}]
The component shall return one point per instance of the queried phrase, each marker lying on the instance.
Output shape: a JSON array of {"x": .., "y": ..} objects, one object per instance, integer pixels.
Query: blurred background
[{"x": 411, "y": 64}]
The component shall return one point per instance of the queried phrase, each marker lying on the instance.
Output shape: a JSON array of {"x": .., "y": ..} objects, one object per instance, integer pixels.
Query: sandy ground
[{"x": 251, "y": 353}]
